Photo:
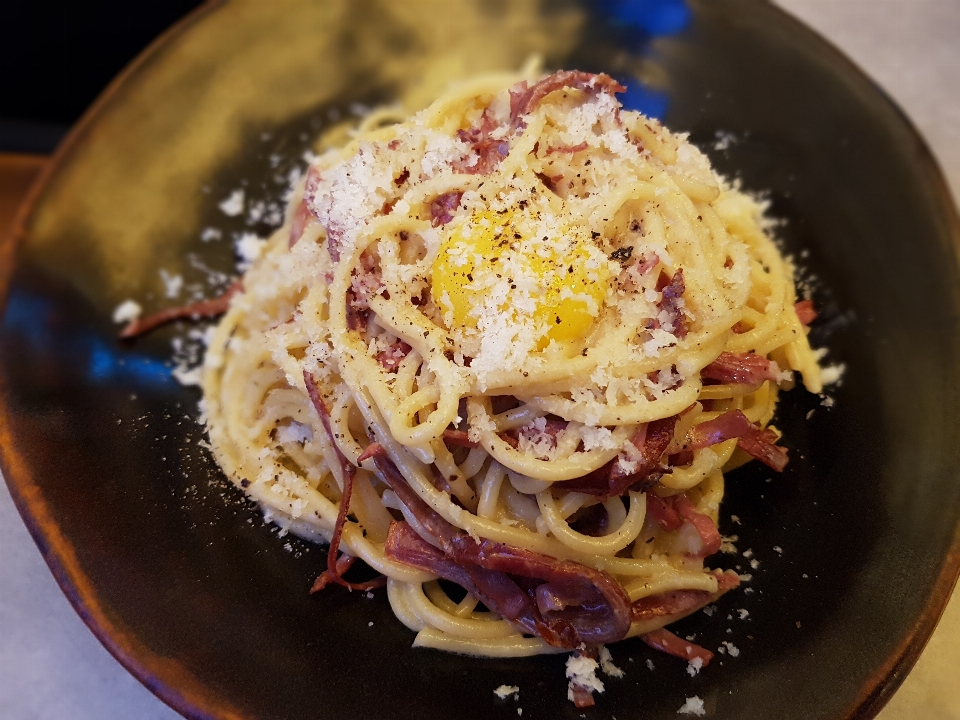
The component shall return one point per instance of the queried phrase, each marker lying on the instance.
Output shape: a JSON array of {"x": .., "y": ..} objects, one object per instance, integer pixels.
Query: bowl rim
[{"x": 174, "y": 685}]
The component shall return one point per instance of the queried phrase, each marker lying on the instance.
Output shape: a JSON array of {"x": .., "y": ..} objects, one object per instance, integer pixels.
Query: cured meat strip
[
  {"x": 344, "y": 563},
  {"x": 671, "y": 303},
  {"x": 334, "y": 570},
  {"x": 582, "y": 696},
  {"x": 806, "y": 313},
  {"x": 734, "y": 424},
  {"x": 568, "y": 149},
  {"x": 495, "y": 589},
  {"x": 618, "y": 476},
  {"x": 682, "y": 602},
  {"x": 202, "y": 309},
  {"x": 391, "y": 358},
  {"x": 489, "y": 151},
  {"x": 665, "y": 641},
  {"x": 303, "y": 214},
  {"x": 761, "y": 445},
  {"x": 671, "y": 512},
  {"x": 729, "y": 425},
  {"x": 740, "y": 369},
  {"x": 676, "y": 602},
  {"x": 460, "y": 438},
  {"x": 703, "y": 524},
  {"x": 652, "y": 441},
  {"x": 524, "y": 99},
  {"x": 663, "y": 512},
  {"x": 443, "y": 206},
  {"x": 581, "y": 605}
]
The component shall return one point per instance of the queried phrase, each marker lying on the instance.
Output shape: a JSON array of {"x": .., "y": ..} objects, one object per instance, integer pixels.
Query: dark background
[{"x": 56, "y": 57}]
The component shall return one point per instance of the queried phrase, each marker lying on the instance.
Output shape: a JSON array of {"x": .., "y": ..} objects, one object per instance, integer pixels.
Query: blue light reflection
[
  {"x": 37, "y": 335},
  {"x": 640, "y": 21},
  {"x": 655, "y": 17},
  {"x": 652, "y": 103}
]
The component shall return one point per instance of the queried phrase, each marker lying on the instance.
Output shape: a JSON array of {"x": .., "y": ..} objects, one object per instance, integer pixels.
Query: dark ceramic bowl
[{"x": 174, "y": 571}]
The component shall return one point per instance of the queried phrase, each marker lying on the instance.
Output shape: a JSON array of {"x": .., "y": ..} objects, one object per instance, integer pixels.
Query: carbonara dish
[{"x": 503, "y": 351}]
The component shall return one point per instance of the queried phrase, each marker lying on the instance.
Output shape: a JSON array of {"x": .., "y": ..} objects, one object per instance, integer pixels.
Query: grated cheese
[
  {"x": 127, "y": 311},
  {"x": 692, "y": 706},
  {"x": 171, "y": 283},
  {"x": 232, "y": 206},
  {"x": 582, "y": 670},
  {"x": 606, "y": 663}
]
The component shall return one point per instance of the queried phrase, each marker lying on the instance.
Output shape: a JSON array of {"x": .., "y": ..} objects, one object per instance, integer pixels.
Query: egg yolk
[{"x": 569, "y": 286}]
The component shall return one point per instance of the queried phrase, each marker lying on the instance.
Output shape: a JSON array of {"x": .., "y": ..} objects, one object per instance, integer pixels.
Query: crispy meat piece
[{"x": 202, "y": 309}]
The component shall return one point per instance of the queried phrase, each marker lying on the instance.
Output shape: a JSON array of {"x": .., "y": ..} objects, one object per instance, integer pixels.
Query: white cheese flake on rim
[
  {"x": 211, "y": 233},
  {"x": 188, "y": 376},
  {"x": 127, "y": 311},
  {"x": 232, "y": 206},
  {"x": 731, "y": 649},
  {"x": 692, "y": 706},
  {"x": 582, "y": 670},
  {"x": 249, "y": 248},
  {"x": 606, "y": 663},
  {"x": 172, "y": 284},
  {"x": 832, "y": 374}
]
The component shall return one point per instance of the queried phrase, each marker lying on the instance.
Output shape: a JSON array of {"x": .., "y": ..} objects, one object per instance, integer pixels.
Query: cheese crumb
[
  {"x": 606, "y": 664},
  {"x": 727, "y": 544},
  {"x": 188, "y": 376},
  {"x": 294, "y": 432},
  {"x": 598, "y": 438},
  {"x": 127, "y": 311},
  {"x": 210, "y": 233},
  {"x": 692, "y": 706},
  {"x": 249, "y": 248},
  {"x": 731, "y": 649},
  {"x": 233, "y": 205},
  {"x": 693, "y": 667},
  {"x": 505, "y": 691},
  {"x": 171, "y": 283},
  {"x": 832, "y": 374},
  {"x": 582, "y": 671}
]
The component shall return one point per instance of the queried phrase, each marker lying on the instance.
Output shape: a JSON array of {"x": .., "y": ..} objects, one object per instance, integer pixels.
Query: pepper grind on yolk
[{"x": 560, "y": 284}]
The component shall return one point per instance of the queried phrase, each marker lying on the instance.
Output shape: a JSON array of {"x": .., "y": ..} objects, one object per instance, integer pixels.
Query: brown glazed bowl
[{"x": 857, "y": 541}]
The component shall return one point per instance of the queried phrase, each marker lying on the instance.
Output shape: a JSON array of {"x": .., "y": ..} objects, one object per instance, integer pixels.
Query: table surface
[{"x": 52, "y": 667}]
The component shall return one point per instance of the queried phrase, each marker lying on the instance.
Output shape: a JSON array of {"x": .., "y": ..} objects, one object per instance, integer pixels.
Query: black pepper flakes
[{"x": 622, "y": 255}]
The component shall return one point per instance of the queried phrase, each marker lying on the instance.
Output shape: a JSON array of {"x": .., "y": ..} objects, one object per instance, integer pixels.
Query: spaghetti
[{"x": 512, "y": 343}]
